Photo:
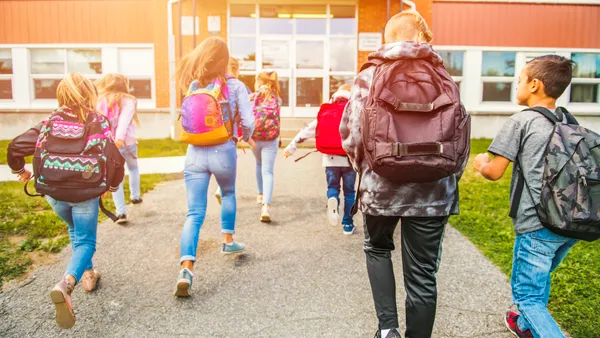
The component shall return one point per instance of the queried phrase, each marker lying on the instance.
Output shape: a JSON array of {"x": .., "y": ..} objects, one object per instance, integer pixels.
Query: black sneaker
[
  {"x": 138, "y": 201},
  {"x": 121, "y": 219},
  {"x": 392, "y": 334}
]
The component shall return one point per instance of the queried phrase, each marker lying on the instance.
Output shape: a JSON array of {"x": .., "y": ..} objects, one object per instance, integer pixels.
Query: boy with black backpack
[
  {"x": 75, "y": 161},
  {"x": 555, "y": 190},
  {"x": 335, "y": 160}
]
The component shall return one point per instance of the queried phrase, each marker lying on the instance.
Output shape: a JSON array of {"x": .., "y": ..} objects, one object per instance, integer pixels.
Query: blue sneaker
[
  {"x": 349, "y": 229},
  {"x": 232, "y": 248},
  {"x": 184, "y": 283}
]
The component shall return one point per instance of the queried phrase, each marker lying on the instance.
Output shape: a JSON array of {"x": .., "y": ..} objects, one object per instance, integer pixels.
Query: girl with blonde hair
[
  {"x": 206, "y": 67},
  {"x": 72, "y": 179},
  {"x": 266, "y": 105},
  {"x": 120, "y": 107}
]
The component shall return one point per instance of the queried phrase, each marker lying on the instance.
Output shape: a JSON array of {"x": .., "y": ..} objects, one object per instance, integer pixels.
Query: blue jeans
[
  {"x": 334, "y": 177},
  {"x": 200, "y": 164},
  {"x": 536, "y": 255},
  {"x": 82, "y": 219},
  {"x": 265, "y": 154},
  {"x": 130, "y": 153}
]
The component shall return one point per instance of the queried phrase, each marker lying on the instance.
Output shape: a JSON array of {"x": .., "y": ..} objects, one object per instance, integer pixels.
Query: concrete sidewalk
[{"x": 300, "y": 277}]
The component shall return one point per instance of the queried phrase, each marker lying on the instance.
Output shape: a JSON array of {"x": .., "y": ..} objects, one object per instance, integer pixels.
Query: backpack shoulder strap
[
  {"x": 570, "y": 118},
  {"x": 547, "y": 114},
  {"x": 372, "y": 62}
]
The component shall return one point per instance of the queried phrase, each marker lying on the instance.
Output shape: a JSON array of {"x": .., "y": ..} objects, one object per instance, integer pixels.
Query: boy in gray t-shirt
[{"x": 523, "y": 140}]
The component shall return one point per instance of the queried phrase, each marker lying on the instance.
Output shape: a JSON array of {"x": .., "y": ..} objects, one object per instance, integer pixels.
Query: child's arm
[
  {"x": 22, "y": 146},
  {"x": 306, "y": 133},
  {"x": 492, "y": 170},
  {"x": 246, "y": 115},
  {"x": 125, "y": 119}
]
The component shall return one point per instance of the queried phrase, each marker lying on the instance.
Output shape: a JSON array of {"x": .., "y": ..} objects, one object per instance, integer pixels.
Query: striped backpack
[
  {"x": 205, "y": 116},
  {"x": 73, "y": 161}
]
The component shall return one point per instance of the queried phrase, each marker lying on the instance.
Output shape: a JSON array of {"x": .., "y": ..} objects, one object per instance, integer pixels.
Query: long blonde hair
[
  {"x": 114, "y": 88},
  {"x": 205, "y": 63},
  {"x": 77, "y": 93},
  {"x": 269, "y": 80}
]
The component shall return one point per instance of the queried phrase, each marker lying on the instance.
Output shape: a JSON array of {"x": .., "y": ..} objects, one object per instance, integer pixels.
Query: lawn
[
  {"x": 27, "y": 224},
  {"x": 146, "y": 148},
  {"x": 575, "y": 298}
]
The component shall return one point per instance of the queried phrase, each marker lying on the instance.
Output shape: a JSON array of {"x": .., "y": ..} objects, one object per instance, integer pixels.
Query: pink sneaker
[
  {"x": 61, "y": 297},
  {"x": 90, "y": 280}
]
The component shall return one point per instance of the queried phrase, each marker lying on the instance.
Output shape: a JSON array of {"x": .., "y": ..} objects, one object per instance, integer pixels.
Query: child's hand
[
  {"x": 24, "y": 176},
  {"x": 286, "y": 154},
  {"x": 480, "y": 160},
  {"x": 120, "y": 143},
  {"x": 252, "y": 144}
]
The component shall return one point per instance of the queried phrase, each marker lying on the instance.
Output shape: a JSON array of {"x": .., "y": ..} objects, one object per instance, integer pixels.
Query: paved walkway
[{"x": 300, "y": 276}]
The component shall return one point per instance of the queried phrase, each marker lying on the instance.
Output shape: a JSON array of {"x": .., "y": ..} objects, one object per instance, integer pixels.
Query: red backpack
[{"x": 328, "y": 136}]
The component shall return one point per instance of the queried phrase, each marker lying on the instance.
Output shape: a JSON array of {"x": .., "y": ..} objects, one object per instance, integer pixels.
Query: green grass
[
  {"x": 575, "y": 299},
  {"x": 146, "y": 148},
  {"x": 31, "y": 220}
]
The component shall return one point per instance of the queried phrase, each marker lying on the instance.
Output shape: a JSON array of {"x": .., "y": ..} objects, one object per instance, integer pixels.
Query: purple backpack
[{"x": 414, "y": 127}]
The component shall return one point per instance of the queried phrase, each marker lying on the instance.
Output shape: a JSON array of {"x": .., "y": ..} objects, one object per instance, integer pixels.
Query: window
[
  {"x": 498, "y": 75},
  {"x": 585, "y": 86},
  {"x": 454, "y": 63},
  {"x": 342, "y": 55},
  {"x": 309, "y": 54},
  {"x": 138, "y": 65},
  {"x": 336, "y": 81},
  {"x": 242, "y": 41},
  {"x": 6, "y": 71},
  {"x": 276, "y": 54},
  {"x": 343, "y": 20},
  {"x": 309, "y": 92},
  {"x": 49, "y": 66}
]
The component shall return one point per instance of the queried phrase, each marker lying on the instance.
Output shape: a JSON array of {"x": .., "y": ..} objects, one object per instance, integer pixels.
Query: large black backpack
[
  {"x": 74, "y": 161},
  {"x": 570, "y": 195}
]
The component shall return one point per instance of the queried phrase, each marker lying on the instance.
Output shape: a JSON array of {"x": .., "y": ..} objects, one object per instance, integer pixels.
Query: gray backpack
[{"x": 570, "y": 196}]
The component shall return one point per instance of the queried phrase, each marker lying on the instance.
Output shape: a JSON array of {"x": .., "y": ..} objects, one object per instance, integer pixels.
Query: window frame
[
  {"x": 22, "y": 77},
  {"x": 10, "y": 78},
  {"x": 585, "y": 80},
  {"x": 513, "y": 80},
  {"x": 292, "y": 72},
  {"x": 50, "y": 76}
]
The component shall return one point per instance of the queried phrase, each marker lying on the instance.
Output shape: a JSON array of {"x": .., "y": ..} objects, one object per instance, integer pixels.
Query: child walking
[
  {"x": 337, "y": 167},
  {"x": 233, "y": 72},
  {"x": 208, "y": 126},
  {"x": 523, "y": 140},
  {"x": 120, "y": 108},
  {"x": 75, "y": 161},
  {"x": 266, "y": 105}
]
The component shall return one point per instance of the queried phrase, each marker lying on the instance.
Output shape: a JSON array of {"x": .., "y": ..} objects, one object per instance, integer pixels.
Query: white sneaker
[
  {"x": 332, "y": 211},
  {"x": 265, "y": 215}
]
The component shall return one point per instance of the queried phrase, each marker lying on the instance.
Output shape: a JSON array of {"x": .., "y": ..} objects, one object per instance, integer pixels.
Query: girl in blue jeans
[
  {"x": 120, "y": 107},
  {"x": 266, "y": 105},
  {"x": 202, "y": 66},
  {"x": 77, "y": 97}
]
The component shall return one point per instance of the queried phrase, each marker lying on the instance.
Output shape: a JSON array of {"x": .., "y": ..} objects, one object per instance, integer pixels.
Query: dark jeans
[
  {"x": 421, "y": 252},
  {"x": 334, "y": 178}
]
